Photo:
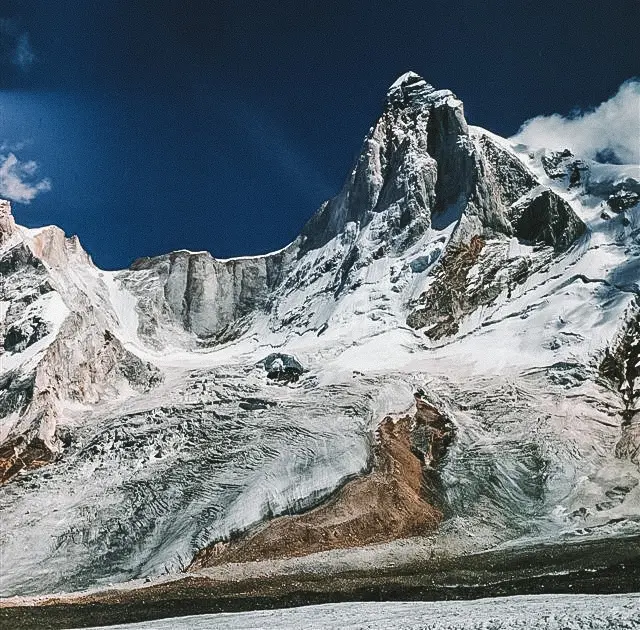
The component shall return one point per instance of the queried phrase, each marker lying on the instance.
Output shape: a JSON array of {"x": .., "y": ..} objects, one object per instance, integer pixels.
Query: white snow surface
[{"x": 543, "y": 612}]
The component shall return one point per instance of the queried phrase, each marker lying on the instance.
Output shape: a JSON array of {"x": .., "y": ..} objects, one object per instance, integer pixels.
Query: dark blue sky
[{"x": 167, "y": 124}]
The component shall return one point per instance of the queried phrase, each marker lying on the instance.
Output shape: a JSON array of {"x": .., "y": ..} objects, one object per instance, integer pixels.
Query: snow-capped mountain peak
[
  {"x": 450, "y": 261},
  {"x": 409, "y": 88}
]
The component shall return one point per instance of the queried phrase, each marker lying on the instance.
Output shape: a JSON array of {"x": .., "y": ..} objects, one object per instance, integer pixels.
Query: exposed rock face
[
  {"x": 515, "y": 180},
  {"x": 203, "y": 295},
  {"x": 50, "y": 318},
  {"x": 282, "y": 367},
  {"x": 448, "y": 299},
  {"x": 110, "y": 361},
  {"x": 621, "y": 366},
  {"x": 541, "y": 216},
  {"x": 623, "y": 199},
  {"x": 563, "y": 166},
  {"x": 16, "y": 455},
  {"x": 16, "y": 391},
  {"x": 21, "y": 335},
  {"x": 24, "y": 286},
  {"x": 469, "y": 277},
  {"x": 64, "y": 374},
  {"x": 7, "y": 223},
  {"x": 397, "y": 499}
]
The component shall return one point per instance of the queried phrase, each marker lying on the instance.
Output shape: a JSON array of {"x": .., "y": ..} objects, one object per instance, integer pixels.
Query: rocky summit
[{"x": 445, "y": 361}]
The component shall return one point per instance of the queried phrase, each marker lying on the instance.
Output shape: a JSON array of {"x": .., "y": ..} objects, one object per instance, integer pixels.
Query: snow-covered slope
[{"x": 139, "y": 424}]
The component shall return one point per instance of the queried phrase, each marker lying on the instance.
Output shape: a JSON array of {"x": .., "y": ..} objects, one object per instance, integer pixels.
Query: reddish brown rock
[
  {"x": 395, "y": 500},
  {"x": 18, "y": 455}
]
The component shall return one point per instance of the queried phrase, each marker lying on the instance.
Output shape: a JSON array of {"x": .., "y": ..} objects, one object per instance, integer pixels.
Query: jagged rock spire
[{"x": 409, "y": 87}]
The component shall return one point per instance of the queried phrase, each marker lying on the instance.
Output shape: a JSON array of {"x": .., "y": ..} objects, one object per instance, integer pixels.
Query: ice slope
[
  {"x": 167, "y": 434},
  {"x": 544, "y": 612},
  {"x": 143, "y": 488}
]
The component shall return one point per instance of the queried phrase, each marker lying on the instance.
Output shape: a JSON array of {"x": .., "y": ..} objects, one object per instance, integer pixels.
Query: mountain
[{"x": 448, "y": 356}]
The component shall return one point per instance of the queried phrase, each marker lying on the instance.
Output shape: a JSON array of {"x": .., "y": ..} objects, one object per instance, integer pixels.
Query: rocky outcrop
[
  {"x": 447, "y": 300},
  {"x": 563, "y": 166},
  {"x": 621, "y": 367},
  {"x": 469, "y": 277},
  {"x": 81, "y": 365},
  {"x": 55, "y": 328},
  {"x": 16, "y": 392},
  {"x": 20, "y": 336},
  {"x": 24, "y": 286},
  {"x": 18, "y": 454},
  {"x": 52, "y": 246},
  {"x": 196, "y": 292},
  {"x": 282, "y": 367},
  {"x": 400, "y": 497},
  {"x": 543, "y": 217},
  {"x": 80, "y": 380},
  {"x": 7, "y": 223},
  {"x": 514, "y": 179},
  {"x": 623, "y": 199}
]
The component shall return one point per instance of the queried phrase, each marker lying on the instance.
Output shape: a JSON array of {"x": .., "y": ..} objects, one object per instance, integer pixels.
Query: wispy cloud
[
  {"x": 12, "y": 147},
  {"x": 274, "y": 146},
  {"x": 15, "y": 44},
  {"x": 609, "y": 132},
  {"x": 19, "y": 180},
  {"x": 23, "y": 55}
]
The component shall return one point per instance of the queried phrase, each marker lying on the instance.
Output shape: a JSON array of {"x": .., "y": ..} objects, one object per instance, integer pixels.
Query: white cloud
[
  {"x": 12, "y": 147},
  {"x": 18, "y": 180},
  {"x": 608, "y": 132}
]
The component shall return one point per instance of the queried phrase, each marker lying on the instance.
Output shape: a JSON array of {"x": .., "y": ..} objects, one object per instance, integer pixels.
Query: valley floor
[
  {"x": 528, "y": 611},
  {"x": 575, "y": 569}
]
